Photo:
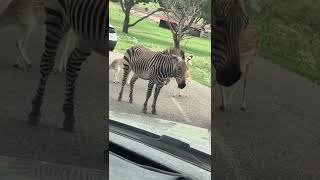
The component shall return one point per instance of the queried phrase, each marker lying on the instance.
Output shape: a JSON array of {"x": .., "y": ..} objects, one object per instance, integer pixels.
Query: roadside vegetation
[{"x": 290, "y": 35}]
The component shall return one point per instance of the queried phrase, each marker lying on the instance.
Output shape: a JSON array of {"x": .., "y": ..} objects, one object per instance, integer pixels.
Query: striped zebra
[
  {"x": 165, "y": 52},
  {"x": 155, "y": 67},
  {"x": 26, "y": 15},
  {"x": 229, "y": 20},
  {"x": 249, "y": 43},
  {"x": 88, "y": 20}
]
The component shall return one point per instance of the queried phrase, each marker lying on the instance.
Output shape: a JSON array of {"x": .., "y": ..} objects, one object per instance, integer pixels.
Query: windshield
[{"x": 182, "y": 109}]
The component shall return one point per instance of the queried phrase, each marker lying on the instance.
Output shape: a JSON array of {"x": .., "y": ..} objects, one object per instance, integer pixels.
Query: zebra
[
  {"x": 249, "y": 43},
  {"x": 26, "y": 15},
  {"x": 168, "y": 52},
  {"x": 88, "y": 20},
  {"x": 229, "y": 20},
  {"x": 155, "y": 67}
]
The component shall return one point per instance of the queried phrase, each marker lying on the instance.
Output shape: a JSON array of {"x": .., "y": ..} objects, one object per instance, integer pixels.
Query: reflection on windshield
[{"x": 197, "y": 138}]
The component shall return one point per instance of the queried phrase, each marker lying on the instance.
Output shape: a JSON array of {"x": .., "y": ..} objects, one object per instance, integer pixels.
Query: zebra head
[
  {"x": 229, "y": 20},
  {"x": 180, "y": 68}
]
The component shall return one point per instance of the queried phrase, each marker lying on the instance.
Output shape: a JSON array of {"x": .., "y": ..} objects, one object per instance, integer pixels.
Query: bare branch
[
  {"x": 144, "y": 17},
  {"x": 122, "y": 5}
]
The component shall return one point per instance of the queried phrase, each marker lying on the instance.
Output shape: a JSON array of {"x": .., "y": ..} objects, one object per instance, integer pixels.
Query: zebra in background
[
  {"x": 88, "y": 20},
  {"x": 229, "y": 20},
  {"x": 155, "y": 67}
]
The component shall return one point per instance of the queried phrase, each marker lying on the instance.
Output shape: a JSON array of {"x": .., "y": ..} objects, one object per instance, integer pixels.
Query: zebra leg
[
  {"x": 156, "y": 94},
  {"x": 149, "y": 92},
  {"x": 74, "y": 63},
  {"x": 236, "y": 86},
  {"x": 52, "y": 42},
  {"x": 126, "y": 71},
  {"x": 132, "y": 81},
  {"x": 244, "y": 106}
]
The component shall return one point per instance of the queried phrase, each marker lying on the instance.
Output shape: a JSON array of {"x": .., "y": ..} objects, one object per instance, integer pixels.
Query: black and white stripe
[
  {"x": 88, "y": 20},
  {"x": 229, "y": 19},
  {"x": 153, "y": 66}
]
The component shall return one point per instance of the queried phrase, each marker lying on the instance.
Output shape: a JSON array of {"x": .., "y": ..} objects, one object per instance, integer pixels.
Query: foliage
[
  {"x": 290, "y": 34},
  {"x": 183, "y": 14},
  {"x": 126, "y": 6}
]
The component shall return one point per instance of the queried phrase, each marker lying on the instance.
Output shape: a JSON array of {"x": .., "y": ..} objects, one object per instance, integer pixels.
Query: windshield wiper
[
  {"x": 165, "y": 143},
  {"x": 175, "y": 142}
]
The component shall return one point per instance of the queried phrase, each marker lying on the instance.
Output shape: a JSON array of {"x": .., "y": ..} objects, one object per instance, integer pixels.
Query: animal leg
[
  {"x": 132, "y": 81},
  {"x": 126, "y": 71},
  {"x": 74, "y": 63},
  {"x": 234, "y": 89},
  {"x": 244, "y": 106},
  {"x": 116, "y": 80},
  {"x": 26, "y": 31},
  {"x": 53, "y": 38},
  {"x": 156, "y": 94},
  {"x": 67, "y": 45},
  {"x": 129, "y": 78},
  {"x": 149, "y": 92}
]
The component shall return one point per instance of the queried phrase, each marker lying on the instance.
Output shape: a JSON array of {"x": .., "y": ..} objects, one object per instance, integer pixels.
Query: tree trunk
[
  {"x": 176, "y": 41},
  {"x": 125, "y": 27}
]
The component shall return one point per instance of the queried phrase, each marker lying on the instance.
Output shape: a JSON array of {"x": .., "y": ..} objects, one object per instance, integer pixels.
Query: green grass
[
  {"x": 148, "y": 34},
  {"x": 290, "y": 35}
]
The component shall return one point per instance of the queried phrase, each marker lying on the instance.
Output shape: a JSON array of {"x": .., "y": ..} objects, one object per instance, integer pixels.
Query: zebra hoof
[
  {"x": 34, "y": 119},
  {"x": 130, "y": 101},
  {"x": 243, "y": 109},
  {"x": 17, "y": 67},
  {"x": 222, "y": 108},
  {"x": 29, "y": 66},
  {"x": 68, "y": 126},
  {"x": 144, "y": 110},
  {"x": 119, "y": 99},
  {"x": 154, "y": 112}
]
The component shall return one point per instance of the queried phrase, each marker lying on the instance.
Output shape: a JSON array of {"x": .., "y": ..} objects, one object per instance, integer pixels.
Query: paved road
[
  {"x": 194, "y": 110},
  {"x": 46, "y": 142},
  {"x": 278, "y": 138}
]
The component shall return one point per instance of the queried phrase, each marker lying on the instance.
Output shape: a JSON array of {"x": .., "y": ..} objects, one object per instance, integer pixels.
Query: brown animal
[
  {"x": 117, "y": 65},
  {"x": 248, "y": 54}
]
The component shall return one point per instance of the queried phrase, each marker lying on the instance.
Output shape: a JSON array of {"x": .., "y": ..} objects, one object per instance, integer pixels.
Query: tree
[
  {"x": 126, "y": 6},
  {"x": 182, "y": 14}
]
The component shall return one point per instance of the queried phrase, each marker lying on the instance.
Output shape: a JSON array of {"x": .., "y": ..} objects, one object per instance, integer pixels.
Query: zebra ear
[{"x": 177, "y": 58}]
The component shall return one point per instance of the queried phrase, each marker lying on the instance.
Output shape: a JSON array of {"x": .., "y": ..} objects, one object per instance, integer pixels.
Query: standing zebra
[
  {"x": 155, "y": 67},
  {"x": 248, "y": 54},
  {"x": 88, "y": 20},
  {"x": 229, "y": 20}
]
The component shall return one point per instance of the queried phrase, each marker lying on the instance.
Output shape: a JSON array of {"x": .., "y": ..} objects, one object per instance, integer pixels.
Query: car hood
[{"x": 198, "y": 138}]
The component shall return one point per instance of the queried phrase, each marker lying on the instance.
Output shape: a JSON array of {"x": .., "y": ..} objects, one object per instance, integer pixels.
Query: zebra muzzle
[{"x": 182, "y": 84}]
